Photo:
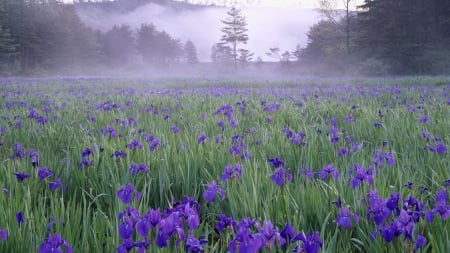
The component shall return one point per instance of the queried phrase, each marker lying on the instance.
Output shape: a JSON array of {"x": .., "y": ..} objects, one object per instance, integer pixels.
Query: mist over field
[{"x": 268, "y": 27}]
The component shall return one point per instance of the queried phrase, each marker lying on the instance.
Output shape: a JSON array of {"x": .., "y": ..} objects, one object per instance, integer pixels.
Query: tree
[
  {"x": 8, "y": 48},
  {"x": 190, "y": 52},
  {"x": 221, "y": 53},
  {"x": 146, "y": 42},
  {"x": 235, "y": 33},
  {"x": 118, "y": 45},
  {"x": 329, "y": 9}
]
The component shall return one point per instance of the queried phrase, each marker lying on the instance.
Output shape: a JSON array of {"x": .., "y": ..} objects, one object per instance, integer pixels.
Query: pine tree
[
  {"x": 190, "y": 52},
  {"x": 235, "y": 32}
]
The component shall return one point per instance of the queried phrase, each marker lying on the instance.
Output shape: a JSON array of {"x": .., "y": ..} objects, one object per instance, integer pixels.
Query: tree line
[
  {"x": 39, "y": 36},
  {"x": 398, "y": 37}
]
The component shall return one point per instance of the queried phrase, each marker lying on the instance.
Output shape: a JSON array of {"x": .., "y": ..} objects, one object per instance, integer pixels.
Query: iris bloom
[
  {"x": 125, "y": 193},
  {"x": 194, "y": 245},
  {"x": 136, "y": 168},
  {"x": 44, "y": 173},
  {"x": 20, "y": 176},
  {"x": 3, "y": 234},
  {"x": 212, "y": 189},
  {"x": 311, "y": 243},
  {"x": 202, "y": 138},
  {"x": 344, "y": 218},
  {"x": 328, "y": 170},
  {"x": 231, "y": 172},
  {"x": 281, "y": 176},
  {"x": 54, "y": 243}
]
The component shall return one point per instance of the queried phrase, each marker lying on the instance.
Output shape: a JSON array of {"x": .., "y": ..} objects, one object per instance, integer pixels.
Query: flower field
[{"x": 106, "y": 165}]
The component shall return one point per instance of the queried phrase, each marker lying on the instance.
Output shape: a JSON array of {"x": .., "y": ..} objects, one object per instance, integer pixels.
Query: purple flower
[
  {"x": 272, "y": 107},
  {"x": 53, "y": 243},
  {"x": 194, "y": 245},
  {"x": 224, "y": 222},
  {"x": 211, "y": 190},
  {"x": 134, "y": 144},
  {"x": 328, "y": 170},
  {"x": 280, "y": 176},
  {"x": 20, "y": 176},
  {"x": 87, "y": 152},
  {"x": 34, "y": 156},
  {"x": 202, "y": 138},
  {"x": 349, "y": 118},
  {"x": 56, "y": 184},
  {"x": 119, "y": 154},
  {"x": 344, "y": 218},
  {"x": 19, "y": 218},
  {"x": 420, "y": 241},
  {"x": 174, "y": 129},
  {"x": 231, "y": 172},
  {"x": 44, "y": 173},
  {"x": 3, "y": 234},
  {"x": 136, "y": 168},
  {"x": 361, "y": 175},
  {"x": 343, "y": 152},
  {"x": 125, "y": 193},
  {"x": 18, "y": 150},
  {"x": 287, "y": 233},
  {"x": 126, "y": 229},
  {"x": 276, "y": 162},
  {"x": 155, "y": 143},
  {"x": 311, "y": 243},
  {"x": 440, "y": 206},
  {"x": 377, "y": 124},
  {"x": 5, "y": 190},
  {"x": 308, "y": 173}
]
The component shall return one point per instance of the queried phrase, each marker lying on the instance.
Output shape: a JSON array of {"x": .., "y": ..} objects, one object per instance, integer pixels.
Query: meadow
[{"x": 171, "y": 165}]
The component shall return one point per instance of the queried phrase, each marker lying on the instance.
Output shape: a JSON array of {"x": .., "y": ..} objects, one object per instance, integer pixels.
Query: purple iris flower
[
  {"x": 125, "y": 193},
  {"x": 281, "y": 176},
  {"x": 57, "y": 184},
  {"x": 224, "y": 222},
  {"x": 19, "y": 218},
  {"x": 194, "y": 245},
  {"x": 119, "y": 154},
  {"x": 361, "y": 175},
  {"x": 134, "y": 144},
  {"x": 231, "y": 172},
  {"x": 154, "y": 144},
  {"x": 276, "y": 162},
  {"x": 3, "y": 234},
  {"x": 34, "y": 156},
  {"x": 202, "y": 138},
  {"x": 440, "y": 206},
  {"x": 137, "y": 168},
  {"x": 18, "y": 150},
  {"x": 311, "y": 243},
  {"x": 308, "y": 173},
  {"x": 344, "y": 218},
  {"x": 328, "y": 170},
  {"x": 54, "y": 243},
  {"x": 44, "y": 173},
  {"x": 212, "y": 189},
  {"x": 174, "y": 129},
  {"x": 20, "y": 176}
]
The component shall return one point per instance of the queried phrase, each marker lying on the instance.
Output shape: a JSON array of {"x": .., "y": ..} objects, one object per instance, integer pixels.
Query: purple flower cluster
[{"x": 136, "y": 229}]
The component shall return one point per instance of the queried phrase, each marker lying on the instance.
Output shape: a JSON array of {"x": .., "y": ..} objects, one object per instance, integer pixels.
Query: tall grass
[{"x": 85, "y": 212}]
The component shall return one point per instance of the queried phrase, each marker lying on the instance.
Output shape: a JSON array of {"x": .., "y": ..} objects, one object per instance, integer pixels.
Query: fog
[{"x": 267, "y": 26}]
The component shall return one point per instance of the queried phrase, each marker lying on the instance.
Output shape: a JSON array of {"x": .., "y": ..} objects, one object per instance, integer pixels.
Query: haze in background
[{"x": 267, "y": 26}]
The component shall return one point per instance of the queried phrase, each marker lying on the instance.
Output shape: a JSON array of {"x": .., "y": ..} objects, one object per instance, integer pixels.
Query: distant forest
[{"x": 383, "y": 37}]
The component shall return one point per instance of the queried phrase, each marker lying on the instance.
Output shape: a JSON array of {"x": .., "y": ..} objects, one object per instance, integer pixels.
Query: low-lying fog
[{"x": 268, "y": 27}]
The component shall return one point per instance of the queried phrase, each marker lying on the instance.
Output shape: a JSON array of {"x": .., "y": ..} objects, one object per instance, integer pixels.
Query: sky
[{"x": 287, "y": 3}]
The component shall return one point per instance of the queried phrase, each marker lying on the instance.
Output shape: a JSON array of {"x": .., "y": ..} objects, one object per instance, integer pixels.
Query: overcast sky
[{"x": 287, "y": 3}]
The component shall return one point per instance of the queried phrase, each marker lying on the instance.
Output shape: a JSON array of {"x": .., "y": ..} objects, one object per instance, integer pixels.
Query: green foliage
[{"x": 86, "y": 212}]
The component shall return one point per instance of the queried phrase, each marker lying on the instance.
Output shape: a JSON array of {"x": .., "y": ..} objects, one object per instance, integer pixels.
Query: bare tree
[{"x": 329, "y": 9}]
